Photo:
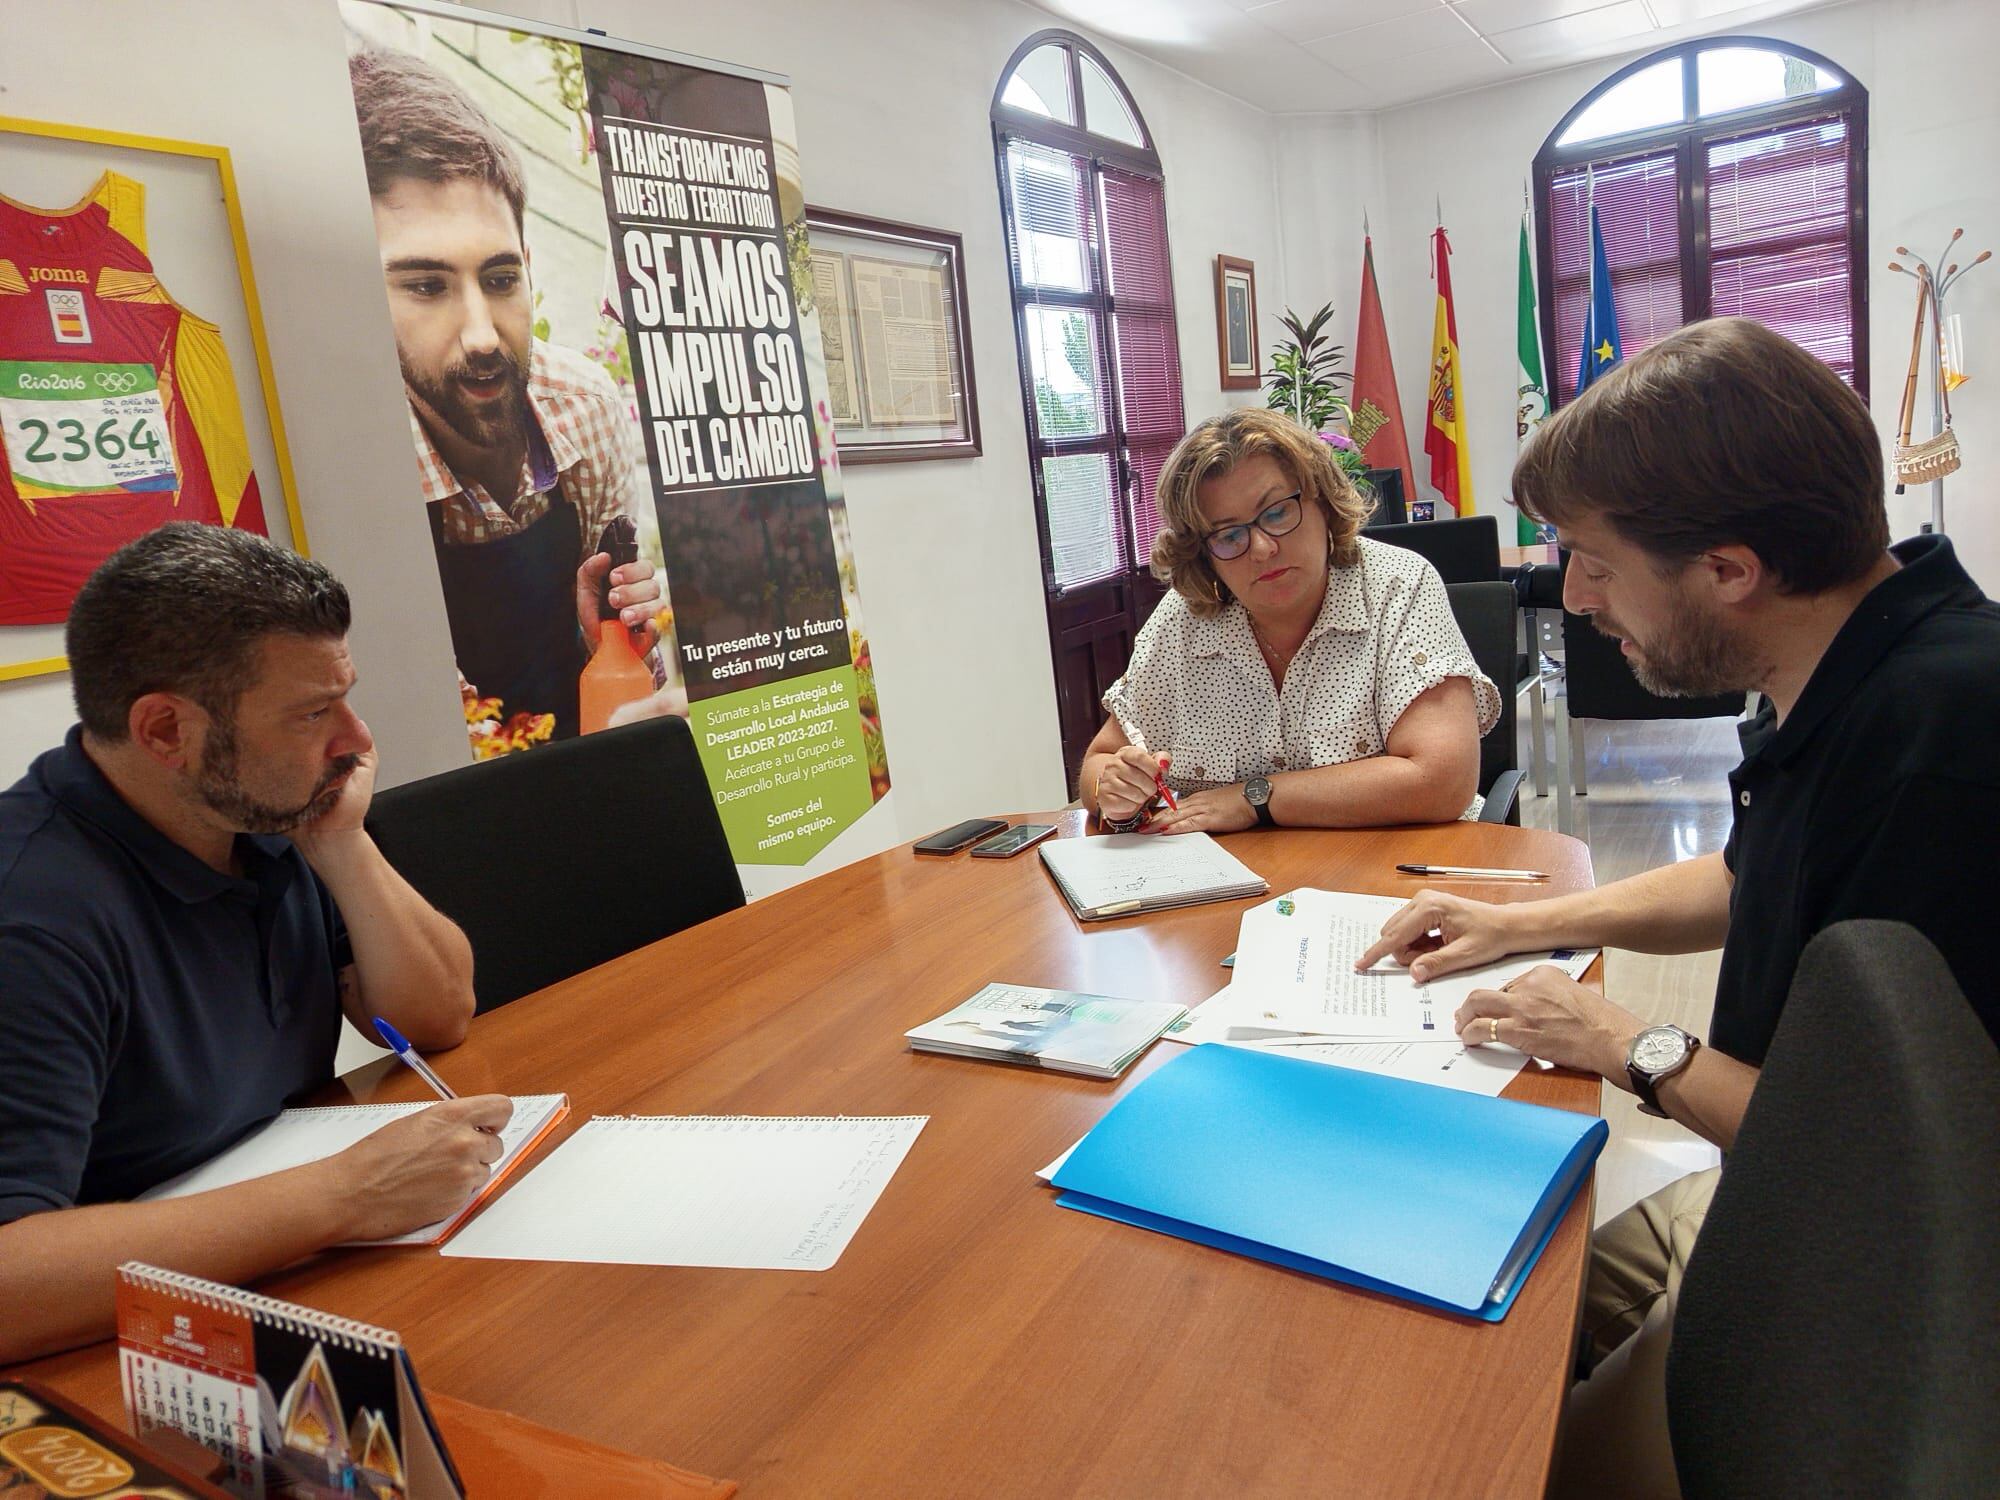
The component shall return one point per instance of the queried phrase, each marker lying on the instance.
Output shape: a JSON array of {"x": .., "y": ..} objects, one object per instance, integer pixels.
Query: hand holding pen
[
  {"x": 1131, "y": 782},
  {"x": 395, "y": 1041}
]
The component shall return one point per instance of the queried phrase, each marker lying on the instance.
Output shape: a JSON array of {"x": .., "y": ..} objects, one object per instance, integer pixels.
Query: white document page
[
  {"x": 746, "y": 1191},
  {"x": 1483, "y": 1069},
  {"x": 1295, "y": 972},
  {"x": 1153, "y": 869},
  {"x": 298, "y": 1136}
]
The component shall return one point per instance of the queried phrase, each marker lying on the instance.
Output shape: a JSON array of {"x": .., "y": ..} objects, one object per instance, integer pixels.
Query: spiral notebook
[
  {"x": 293, "y": 1401},
  {"x": 1122, "y": 874},
  {"x": 748, "y": 1191},
  {"x": 299, "y": 1136}
]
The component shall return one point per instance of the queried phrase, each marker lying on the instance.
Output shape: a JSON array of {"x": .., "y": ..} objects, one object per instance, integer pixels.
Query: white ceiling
[{"x": 1310, "y": 56}]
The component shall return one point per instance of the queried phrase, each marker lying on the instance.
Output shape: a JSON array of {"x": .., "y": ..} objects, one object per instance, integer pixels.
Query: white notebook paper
[
  {"x": 746, "y": 1191},
  {"x": 298, "y": 1136},
  {"x": 1119, "y": 874}
]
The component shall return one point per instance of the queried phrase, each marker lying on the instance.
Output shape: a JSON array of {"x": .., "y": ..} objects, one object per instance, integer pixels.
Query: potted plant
[{"x": 1305, "y": 373}]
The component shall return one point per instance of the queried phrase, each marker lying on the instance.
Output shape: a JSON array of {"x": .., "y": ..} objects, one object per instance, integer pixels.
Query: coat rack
[{"x": 1932, "y": 458}]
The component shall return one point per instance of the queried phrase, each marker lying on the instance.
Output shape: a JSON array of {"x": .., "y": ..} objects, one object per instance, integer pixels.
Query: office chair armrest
[{"x": 1506, "y": 791}]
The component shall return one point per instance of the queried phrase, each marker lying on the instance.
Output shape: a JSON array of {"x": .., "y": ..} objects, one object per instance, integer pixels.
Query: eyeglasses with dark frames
[{"x": 1279, "y": 518}]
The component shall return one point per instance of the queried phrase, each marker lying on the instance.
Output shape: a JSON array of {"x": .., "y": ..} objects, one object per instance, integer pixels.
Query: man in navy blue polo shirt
[
  {"x": 188, "y": 905},
  {"x": 1721, "y": 497}
]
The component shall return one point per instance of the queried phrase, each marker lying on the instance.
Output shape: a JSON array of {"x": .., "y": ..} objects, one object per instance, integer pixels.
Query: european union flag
[{"x": 1601, "y": 347}]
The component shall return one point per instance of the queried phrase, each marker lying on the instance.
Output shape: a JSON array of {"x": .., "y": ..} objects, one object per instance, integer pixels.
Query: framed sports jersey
[{"x": 135, "y": 385}]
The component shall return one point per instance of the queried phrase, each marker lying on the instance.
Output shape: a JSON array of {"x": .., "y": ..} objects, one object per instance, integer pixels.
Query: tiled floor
[{"x": 1658, "y": 793}]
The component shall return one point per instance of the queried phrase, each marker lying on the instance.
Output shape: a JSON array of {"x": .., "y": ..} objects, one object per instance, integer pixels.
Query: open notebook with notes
[{"x": 1119, "y": 874}]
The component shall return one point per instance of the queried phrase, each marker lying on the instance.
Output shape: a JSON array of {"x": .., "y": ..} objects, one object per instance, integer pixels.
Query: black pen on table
[{"x": 1472, "y": 872}]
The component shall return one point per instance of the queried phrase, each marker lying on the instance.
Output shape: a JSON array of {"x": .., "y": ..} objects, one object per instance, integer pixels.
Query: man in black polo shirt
[
  {"x": 188, "y": 904},
  {"x": 1721, "y": 499}
]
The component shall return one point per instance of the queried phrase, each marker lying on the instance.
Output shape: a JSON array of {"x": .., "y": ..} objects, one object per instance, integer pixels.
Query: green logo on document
[{"x": 1285, "y": 907}]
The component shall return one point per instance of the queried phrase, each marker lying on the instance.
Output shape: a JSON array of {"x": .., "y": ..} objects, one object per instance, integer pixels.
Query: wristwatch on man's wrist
[
  {"x": 1656, "y": 1054},
  {"x": 1257, "y": 792}
]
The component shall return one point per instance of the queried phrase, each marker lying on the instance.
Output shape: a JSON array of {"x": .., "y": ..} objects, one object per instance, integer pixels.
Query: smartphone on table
[
  {"x": 1013, "y": 841},
  {"x": 955, "y": 838}
]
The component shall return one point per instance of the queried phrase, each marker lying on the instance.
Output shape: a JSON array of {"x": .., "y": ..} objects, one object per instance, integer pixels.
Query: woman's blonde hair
[{"x": 1217, "y": 447}]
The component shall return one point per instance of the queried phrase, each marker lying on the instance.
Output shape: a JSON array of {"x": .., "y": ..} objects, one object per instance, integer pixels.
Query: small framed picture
[
  {"x": 890, "y": 303},
  {"x": 1236, "y": 323}
]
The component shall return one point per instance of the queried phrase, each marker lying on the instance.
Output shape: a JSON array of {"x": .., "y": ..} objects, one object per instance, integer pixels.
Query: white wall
[
  {"x": 892, "y": 99},
  {"x": 1934, "y": 132},
  {"x": 1329, "y": 176}
]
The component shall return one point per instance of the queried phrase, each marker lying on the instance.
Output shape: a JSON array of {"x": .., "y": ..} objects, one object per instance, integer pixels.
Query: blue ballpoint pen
[{"x": 399, "y": 1044}]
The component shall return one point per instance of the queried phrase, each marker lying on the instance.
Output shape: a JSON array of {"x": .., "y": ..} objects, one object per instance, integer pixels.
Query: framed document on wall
[{"x": 891, "y": 304}]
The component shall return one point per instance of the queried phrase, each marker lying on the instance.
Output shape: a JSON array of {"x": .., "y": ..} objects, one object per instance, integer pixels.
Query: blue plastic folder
[{"x": 1440, "y": 1197}]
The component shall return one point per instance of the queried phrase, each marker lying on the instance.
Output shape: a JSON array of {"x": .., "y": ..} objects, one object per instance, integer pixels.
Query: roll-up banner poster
[{"x": 596, "y": 264}]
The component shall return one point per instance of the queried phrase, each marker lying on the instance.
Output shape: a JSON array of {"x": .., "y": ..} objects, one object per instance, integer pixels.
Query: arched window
[
  {"x": 1730, "y": 177},
  {"x": 1084, "y": 205}
]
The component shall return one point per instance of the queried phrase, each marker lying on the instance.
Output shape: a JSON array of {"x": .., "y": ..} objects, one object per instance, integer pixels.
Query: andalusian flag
[
  {"x": 1602, "y": 349},
  {"x": 1533, "y": 402},
  {"x": 1444, "y": 433}
]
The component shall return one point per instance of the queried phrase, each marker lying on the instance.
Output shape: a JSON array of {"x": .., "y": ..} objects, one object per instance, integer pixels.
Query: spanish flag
[{"x": 1444, "y": 433}]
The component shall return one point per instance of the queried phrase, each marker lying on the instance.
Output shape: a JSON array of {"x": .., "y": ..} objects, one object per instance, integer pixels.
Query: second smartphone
[{"x": 1013, "y": 841}]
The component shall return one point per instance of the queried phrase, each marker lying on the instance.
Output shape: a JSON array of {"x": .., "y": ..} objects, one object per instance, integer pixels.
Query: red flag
[
  {"x": 1377, "y": 424},
  {"x": 1444, "y": 431}
]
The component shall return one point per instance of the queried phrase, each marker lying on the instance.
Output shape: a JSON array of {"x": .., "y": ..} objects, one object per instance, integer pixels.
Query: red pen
[{"x": 1160, "y": 783}]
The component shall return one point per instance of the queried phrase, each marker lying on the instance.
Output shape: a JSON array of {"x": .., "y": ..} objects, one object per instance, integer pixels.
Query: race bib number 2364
[{"x": 73, "y": 427}]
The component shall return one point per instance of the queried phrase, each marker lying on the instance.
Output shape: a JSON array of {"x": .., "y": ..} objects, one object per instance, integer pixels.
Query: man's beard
[
  {"x": 1692, "y": 655},
  {"x": 508, "y": 418},
  {"x": 216, "y": 784}
]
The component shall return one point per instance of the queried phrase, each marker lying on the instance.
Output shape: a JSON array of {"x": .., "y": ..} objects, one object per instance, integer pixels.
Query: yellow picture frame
[{"x": 12, "y": 125}]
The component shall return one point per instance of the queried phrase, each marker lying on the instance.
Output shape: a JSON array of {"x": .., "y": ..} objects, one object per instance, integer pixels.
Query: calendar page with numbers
[{"x": 295, "y": 1402}]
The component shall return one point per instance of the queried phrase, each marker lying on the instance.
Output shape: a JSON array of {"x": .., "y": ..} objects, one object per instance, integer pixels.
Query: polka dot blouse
[{"x": 1199, "y": 689}]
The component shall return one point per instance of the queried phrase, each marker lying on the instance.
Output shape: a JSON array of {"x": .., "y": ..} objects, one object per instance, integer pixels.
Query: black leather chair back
[
  {"x": 1488, "y": 617},
  {"x": 557, "y": 859},
  {"x": 1600, "y": 683},
  {"x": 1838, "y": 1331},
  {"x": 1463, "y": 551}
]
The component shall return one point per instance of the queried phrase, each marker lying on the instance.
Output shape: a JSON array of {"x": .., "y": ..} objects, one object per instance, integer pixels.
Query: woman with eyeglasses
[{"x": 1297, "y": 673}]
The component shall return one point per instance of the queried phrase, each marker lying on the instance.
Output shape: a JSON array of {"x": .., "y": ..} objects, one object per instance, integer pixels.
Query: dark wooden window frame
[
  {"x": 1092, "y": 622},
  {"x": 1689, "y": 138},
  {"x": 1012, "y": 123}
]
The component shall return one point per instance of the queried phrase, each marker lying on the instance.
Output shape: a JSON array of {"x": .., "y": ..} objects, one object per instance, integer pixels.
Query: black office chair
[
  {"x": 1487, "y": 618},
  {"x": 1391, "y": 509},
  {"x": 562, "y": 857},
  {"x": 1463, "y": 551},
  {"x": 1601, "y": 685},
  {"x": 1838, "y": 1331}
]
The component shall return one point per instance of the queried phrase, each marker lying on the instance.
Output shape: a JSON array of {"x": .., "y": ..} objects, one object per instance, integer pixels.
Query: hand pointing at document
[{"x": 1438, "y": 934}]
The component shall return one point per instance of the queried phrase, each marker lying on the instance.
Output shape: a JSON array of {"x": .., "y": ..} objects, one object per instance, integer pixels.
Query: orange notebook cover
[{"x": 508, "y": 1166}]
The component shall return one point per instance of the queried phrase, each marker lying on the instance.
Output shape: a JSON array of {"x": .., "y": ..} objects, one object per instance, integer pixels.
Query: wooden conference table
[{"x": 975, "y": 1339}]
